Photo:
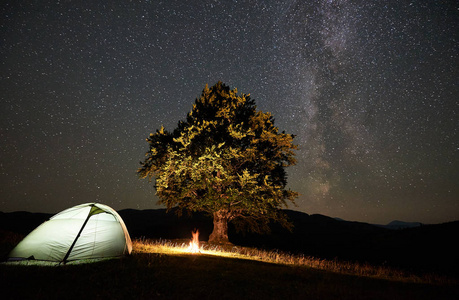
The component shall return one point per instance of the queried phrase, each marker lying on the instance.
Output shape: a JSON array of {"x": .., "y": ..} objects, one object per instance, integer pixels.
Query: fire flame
[{"x": 194, "y": 243}]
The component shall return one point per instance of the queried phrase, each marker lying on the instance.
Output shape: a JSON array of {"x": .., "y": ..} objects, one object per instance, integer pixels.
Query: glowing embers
[{"x": 194, "y": 243}]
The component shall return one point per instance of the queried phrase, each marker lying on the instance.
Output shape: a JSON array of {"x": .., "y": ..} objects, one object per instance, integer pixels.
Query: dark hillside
[
  {"x": 157, "y": 223},
  {"x": 316, "y": 235},
  {"x": 428, "y": 248},
  {"x": 425, "y": 248},
  {"x": 22, "y": 222}
]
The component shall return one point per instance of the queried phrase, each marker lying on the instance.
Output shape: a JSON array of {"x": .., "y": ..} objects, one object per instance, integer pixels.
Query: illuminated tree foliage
[{"x": 226, "y": 159}]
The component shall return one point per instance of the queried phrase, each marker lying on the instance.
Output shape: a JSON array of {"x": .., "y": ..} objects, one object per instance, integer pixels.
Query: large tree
[{"x": 226, "y": 159}]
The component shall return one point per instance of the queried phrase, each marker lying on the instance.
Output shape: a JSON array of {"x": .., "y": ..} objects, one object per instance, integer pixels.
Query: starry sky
[{"x": 369, "y": 88}]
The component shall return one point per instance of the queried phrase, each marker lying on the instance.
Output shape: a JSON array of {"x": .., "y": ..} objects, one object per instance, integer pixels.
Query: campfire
[{"x": 194, "y": 243}]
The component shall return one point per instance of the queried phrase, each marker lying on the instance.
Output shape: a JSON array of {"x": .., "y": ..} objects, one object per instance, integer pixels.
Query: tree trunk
[{"x": 220, "y": 233}]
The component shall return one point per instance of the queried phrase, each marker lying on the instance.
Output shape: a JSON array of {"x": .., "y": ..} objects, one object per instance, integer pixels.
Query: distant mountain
[{"x": 396, "y": 225}]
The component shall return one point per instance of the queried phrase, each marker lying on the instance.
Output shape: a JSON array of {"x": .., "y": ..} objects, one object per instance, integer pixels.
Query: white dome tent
[{"x": 86, "y": 231}]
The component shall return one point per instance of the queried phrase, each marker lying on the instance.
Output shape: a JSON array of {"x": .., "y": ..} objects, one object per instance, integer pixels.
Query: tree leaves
[{"x": 225, "y": 157}]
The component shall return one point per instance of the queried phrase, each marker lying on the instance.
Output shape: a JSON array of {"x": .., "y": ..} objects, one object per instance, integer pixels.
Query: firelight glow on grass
[
  {"x": 169, "y": 247},
  {"x": 183, "y": 247}
]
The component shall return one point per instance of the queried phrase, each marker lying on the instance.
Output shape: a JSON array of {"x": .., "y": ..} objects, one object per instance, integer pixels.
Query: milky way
[{"x": 369, "y": 89}]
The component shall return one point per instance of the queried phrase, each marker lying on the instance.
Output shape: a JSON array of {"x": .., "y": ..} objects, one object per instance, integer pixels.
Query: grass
[
  {"x": 165, "y": 270},
  {"x": 278, "y": 257}
]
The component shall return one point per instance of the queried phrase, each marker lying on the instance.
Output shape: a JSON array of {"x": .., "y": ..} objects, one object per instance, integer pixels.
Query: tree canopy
[{"x": 226, "y": 159}]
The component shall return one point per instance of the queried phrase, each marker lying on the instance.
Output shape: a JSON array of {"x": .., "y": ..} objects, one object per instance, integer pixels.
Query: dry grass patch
[{"x": 181, "y": 247}]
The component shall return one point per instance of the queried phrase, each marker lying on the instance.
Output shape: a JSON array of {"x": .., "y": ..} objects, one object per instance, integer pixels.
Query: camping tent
[{"x": 85, "y": 231}]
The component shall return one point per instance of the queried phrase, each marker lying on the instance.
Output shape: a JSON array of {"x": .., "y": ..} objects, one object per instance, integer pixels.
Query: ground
[{"x": 168, "y": 275}]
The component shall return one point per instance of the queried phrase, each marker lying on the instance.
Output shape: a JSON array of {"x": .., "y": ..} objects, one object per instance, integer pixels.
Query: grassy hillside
[
  {"x": 425, "y": 249},
  {"x": 156, "y": 273}
]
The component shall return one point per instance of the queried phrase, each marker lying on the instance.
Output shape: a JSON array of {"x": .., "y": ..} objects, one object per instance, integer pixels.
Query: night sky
[{"x": 369, "y": 88}]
